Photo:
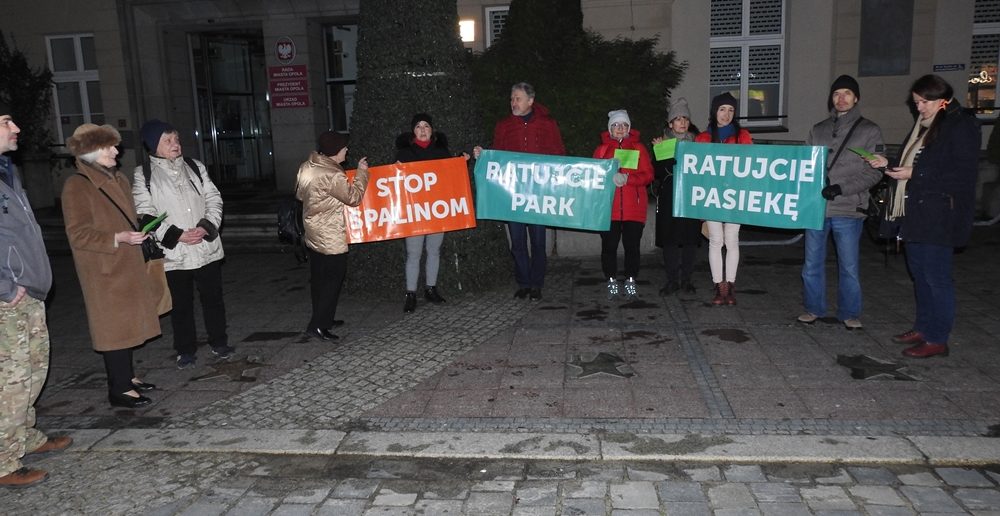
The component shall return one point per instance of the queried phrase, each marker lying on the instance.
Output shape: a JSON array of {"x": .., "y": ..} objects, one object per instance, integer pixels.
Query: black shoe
[
  {"x": 124, "y": 400},
  {"x": 522, "y": 293},
  {"x": 688, "y": 287},
  {"x": 224, "y": 352},
  {"x": 141, "y": 386},
  {"x": 670, "y": 288},
  {"x": 536, "y": 294},
  {"x": 411, "y": 302},
  {"x": 431, "y": 294},
  {"x": 321, "y": 334},
  {"x": 337, "y": 323}
]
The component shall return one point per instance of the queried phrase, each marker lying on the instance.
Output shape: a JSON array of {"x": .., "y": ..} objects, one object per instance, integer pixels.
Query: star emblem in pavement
[
  {"x": 864, "y": 367},
  {"x": 234, "y": 370},
  {"x": 601, "y": 363}
]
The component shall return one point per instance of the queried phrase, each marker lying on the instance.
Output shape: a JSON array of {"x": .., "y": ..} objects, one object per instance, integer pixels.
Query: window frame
[
  {"x": 81, "y": 76},
  {"x": 488, "y": 11},
  {"x": 984, "y": 113},
  {"x": 745, "y": 41}
]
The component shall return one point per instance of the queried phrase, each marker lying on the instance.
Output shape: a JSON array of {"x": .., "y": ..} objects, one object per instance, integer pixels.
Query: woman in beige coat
[
  {"x": 101, "y": 225},
  {"x": 324, "y": 190}
]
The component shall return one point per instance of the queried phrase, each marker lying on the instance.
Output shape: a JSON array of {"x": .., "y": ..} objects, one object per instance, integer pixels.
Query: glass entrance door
[{"x": 233, "y": 113}]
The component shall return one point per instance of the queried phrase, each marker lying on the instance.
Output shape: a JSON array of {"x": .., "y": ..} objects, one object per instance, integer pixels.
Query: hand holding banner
[
  {"x": 558, "y": 191},
  {"x": 765, "y": 185},
  {"x": 409, "y": 199}
]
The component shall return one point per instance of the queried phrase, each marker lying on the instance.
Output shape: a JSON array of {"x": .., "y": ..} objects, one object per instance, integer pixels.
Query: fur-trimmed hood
[{"x": 90, "y": 137}]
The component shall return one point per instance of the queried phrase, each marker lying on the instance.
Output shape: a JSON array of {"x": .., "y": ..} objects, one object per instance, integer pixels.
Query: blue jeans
[
  {"x": 529, "y": 267},
  {"x": 846, "y": 237},
  {"x": 933, "y": 288}
]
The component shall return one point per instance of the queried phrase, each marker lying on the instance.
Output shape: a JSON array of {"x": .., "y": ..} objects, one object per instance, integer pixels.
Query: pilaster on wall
[
  {"x": 294, "y": 130},
  {"x": 689, "y": 36}
]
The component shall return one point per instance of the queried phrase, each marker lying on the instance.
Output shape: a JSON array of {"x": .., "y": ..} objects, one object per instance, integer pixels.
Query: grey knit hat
[
  {"x": 618, "y": 116},
  {"x": 678, "y": 108}
]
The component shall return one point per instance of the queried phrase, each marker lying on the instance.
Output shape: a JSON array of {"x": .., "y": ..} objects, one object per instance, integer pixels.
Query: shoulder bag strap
[{"x": 844, "y": 143}]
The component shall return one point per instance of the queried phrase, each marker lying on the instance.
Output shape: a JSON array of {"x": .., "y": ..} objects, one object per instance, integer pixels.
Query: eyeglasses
[{"x": 619, "y": 125}]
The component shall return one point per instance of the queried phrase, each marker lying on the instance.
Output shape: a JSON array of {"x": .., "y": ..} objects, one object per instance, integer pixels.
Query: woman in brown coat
[{"x": 100, "y": 223}]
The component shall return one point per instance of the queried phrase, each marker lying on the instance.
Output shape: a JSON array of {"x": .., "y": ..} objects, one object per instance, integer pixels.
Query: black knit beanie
[
  {"x": 725, "y": 99},
  {"x": 846, "y": 82},
  {"x": 421, "y": 117}
]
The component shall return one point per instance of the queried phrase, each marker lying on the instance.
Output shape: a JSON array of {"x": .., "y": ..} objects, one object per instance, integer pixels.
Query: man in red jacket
[{"x": 530, "y": 129}]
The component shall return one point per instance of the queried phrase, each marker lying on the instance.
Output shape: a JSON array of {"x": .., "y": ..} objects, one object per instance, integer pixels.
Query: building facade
[{"x": 250, "y": 83}]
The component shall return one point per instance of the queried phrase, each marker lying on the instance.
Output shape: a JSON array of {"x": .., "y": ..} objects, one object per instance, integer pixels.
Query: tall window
[
  {"x": 496, "y": 18},
  {"x": 73, "y": 62},
  {"x": 747, "y": 54},
  {"x": 982, "y": 94},
  {"x": 341, "y": 73}
]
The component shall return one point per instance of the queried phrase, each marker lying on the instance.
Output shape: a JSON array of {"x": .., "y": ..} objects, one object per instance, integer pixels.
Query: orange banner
[{"x": 409, "y": 199}]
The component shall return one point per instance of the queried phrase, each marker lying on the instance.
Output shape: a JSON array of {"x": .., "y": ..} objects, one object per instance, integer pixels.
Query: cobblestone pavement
[
  {"x": 489, "y": 363},
  {"x": 216, "y": 484}
]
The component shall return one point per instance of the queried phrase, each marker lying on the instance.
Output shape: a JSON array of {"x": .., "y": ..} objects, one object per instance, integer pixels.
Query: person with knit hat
[
  {"x": 119, "y": 292},
  {"x": 679, "y": 237},
  {"x": 724, "y": 128},
  {"x": 848, "y": 179},
  {"x": 324, "y": 189},
  {"x": 629, "y": 206},
  {"x": 169, "y": 182},
  {"x": 25, "y": 280},
  {"x": 422, "y": 143}
]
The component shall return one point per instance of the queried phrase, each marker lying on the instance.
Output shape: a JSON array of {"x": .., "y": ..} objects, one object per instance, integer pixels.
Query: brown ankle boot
[
  {"x": 721, "y": 293},
  {"x": 730, "y": 293},
  {"x": 23, "y": 477}
]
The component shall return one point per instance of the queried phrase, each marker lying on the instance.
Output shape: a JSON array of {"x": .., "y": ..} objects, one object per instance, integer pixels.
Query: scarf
[{"x": 909, "y": 156}]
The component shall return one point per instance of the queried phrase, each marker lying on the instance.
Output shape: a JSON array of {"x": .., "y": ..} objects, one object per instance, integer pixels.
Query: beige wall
[{"x": 822, "y": 38}]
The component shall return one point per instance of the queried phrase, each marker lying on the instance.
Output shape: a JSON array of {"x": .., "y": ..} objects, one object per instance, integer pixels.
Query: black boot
[
  {"x": 411, "y": 302},
  {"x": 431, "y": 294}
]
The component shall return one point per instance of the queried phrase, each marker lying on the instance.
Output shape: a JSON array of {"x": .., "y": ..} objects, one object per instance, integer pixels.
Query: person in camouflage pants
[{"x": 25, "y": 279}]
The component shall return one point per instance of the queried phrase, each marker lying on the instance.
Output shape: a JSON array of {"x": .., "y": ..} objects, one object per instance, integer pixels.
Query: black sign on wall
[{"x": 886, "y": 36}]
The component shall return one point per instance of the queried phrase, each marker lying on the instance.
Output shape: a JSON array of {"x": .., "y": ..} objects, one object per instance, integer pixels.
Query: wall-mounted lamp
[{"x": 467, "y": 29}]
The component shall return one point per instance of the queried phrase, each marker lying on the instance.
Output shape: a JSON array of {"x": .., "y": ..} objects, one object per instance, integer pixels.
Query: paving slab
[
  {"x": 757, "y": 449},
  {"x": 298, "y": 442},
  {"x": 957, "y": 450},
  {"x": 472, "y": 445}
]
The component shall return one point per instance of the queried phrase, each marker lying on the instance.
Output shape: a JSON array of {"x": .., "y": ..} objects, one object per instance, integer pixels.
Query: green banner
[
  {"x": 775, "y": 186},
  {"x": 559, "y": 191}
]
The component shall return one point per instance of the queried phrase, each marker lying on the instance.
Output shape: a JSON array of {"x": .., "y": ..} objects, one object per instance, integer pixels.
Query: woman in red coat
[
  {"x": 723, "y": 128},
  {"x": 628, "y": 211}
]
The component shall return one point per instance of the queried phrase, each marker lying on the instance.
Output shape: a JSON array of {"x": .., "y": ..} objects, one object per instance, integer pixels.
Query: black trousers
[
  {"x": 678, "y": 261},
  {"x": 327, "y": 273},
  {"x": 208, "y": 279},
  {"x": 630, "y": 235},
  {"x": 118, "y": 365}
]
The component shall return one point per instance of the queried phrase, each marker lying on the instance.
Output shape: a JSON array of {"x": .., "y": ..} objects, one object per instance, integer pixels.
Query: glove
[
  {"x": 620, "y": 179},
  {"x": 831, "y": 192}
]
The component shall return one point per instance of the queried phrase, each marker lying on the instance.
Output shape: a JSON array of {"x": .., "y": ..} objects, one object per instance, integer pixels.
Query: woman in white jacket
[{"x": 181, "y": 188}]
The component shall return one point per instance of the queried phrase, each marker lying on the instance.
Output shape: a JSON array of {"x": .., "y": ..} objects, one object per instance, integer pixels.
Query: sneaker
[
  {"x": 612, "y": 288},
  {"x": 630, "y": 290},
  {"x": 852, "y": 324},
  {"x": 410, "y": 303},
  {"x": 224, "y": 352},
  {"x": 809, "y": 318},
  {"x": 185, "y": 360},
  {"x": 536, "y": 294},
  {"x": 522, "y": 292}
]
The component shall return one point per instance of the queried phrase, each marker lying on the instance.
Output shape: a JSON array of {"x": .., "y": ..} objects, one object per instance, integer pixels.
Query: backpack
[
  {"x": 290, "y": 226},
  {"x": 147, "y": 172}
]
